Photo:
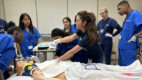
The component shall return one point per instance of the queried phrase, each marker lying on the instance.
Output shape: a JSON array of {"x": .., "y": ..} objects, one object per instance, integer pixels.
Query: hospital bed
[{"x": 91, "y": 71}]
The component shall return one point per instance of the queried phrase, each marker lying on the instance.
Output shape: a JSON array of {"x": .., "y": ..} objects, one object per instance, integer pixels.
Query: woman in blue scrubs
[
  {"x": 90, "y": 40},
  {"x": 106, "y": 27},
  {"x": 30, "y": 35},
  {"x": 61, "y": 49},
  {"x": 132, "y": 28},
  {"x": 67, "y": 25}
]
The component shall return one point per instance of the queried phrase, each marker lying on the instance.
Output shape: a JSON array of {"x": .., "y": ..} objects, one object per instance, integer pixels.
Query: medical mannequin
[
  {"x": 54, "y": 70},
  {"x": 35, "y": 72}
]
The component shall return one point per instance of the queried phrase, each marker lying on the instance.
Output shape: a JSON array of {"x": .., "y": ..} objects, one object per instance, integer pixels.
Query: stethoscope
[{"x": 94, "y": 68}]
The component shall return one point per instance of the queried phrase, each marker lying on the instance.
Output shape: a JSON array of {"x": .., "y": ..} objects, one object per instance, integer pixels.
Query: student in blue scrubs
[
  {"x": 3, "y": 28},
  {"x": 63, "y": 48},
  {"x": 90, "y": 40},
  {"x": 7, "y": 49},
  {"x": 132, "y": 28},
  {"x": 67, "y": 25},
  {"x": 30, "y": 35},
  {"x": 106, "y": 27}
]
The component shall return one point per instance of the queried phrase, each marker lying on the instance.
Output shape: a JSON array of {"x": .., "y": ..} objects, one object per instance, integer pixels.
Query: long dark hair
[
  {"x": 21, "y": 24},
  {"x": 68, "y": 19},
  {"x": 90, "y": 27}
]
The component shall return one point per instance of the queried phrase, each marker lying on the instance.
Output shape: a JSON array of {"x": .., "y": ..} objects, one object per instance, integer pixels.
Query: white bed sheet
[
  {"x": 14, "y": 77},
  {"x": 77, "y": 71},
  {"x": 106, "y": 72}
]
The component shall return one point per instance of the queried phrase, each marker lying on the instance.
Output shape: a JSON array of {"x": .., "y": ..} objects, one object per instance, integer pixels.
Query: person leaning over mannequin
[
  {"x": 90, "y": 40},
  {"x": 62, "y": 48},
  {"x": 7, "y": 49}
]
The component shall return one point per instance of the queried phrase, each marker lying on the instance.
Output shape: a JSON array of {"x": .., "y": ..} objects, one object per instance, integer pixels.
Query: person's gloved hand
[
  {"x": 108, "y": 35},
  {"x": 55, "y": 42},
  {"x": 133, "y": 39}
]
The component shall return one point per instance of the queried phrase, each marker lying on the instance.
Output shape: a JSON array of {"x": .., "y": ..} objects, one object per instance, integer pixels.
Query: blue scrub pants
[
  {"x": 127, "y": 56},
  {"x": 106, "y": 46}
]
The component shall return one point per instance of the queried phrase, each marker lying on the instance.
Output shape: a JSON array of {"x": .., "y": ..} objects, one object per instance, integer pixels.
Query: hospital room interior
[{"x": 70, "y": 40}]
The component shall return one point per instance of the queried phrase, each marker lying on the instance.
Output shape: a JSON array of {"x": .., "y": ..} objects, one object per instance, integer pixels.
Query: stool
[{"x": 114, "y": 53}]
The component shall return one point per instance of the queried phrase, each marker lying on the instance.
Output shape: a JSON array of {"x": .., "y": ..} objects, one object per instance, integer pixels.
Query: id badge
[
  {"x": 101, "y": 30},
  {"x": 30, "y": 47}
]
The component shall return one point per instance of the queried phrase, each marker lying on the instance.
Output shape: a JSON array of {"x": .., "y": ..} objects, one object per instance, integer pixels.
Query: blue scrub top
[
  {"x": 107, "y": 26},
  {"x": 29, "y": 42},
  {"x": 7, "y": 50},
  {"x": 93, "y": 50},
  {"x": 74, "y": 30},
  {"x": 131, "y": 26},
  {"x": 3, "y": 26}
]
